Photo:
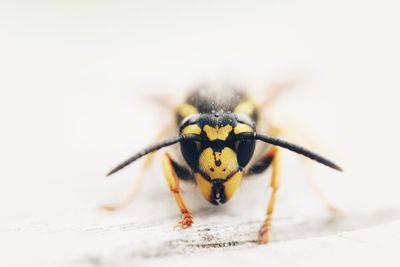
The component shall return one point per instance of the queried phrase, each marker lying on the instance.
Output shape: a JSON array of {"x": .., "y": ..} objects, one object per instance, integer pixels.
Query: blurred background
[{"x": 77, "y": 78}]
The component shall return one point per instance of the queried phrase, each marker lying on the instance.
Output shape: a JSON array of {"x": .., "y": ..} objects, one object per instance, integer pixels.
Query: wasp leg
[
  {"x": 134, "y": 188},
  {"x": 317, "y": 191},
  {"x": 303, "y": 136},
  {"x": 173, "y": 183},
  {"x": 265, "y": 228},
  {"x": 276, "y": 90},
  {"x": 260, "y": 165}
]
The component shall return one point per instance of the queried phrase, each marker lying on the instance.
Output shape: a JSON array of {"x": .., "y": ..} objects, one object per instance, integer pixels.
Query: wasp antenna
[
  {"x": 153, "y": 148},
  {"x": 146, "y": 151},
  {"x": 295, "y": 148}
]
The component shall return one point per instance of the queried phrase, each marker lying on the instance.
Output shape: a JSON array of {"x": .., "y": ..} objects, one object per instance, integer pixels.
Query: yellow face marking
[
  {"x": 192, "y": 129},
  {"x": 232, "y": 184},
  {"x": 204, "y": 185},
  {"x": 247, "y": 107},
  {"x": 226, "y": 159},
  {"x": 220, "y": 133},
  {"x": 242, "y": 128},
  {"x": 185, "y": 110}
]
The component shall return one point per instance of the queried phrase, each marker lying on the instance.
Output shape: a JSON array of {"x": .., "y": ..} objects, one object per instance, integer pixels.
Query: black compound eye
[
  {"x": 190, "y": 151},
  {"x": 242, "y": 118},
  {"x": 245, "y": 150}
]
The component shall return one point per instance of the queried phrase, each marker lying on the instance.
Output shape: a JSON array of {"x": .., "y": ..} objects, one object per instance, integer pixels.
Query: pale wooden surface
[
  {"x": 223, "y": 238},
  {"x": 303, "y": 234}
]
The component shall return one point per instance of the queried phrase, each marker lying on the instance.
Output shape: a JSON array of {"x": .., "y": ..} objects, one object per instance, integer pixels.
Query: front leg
[
  {"x": 134, "y": 188},
  {"x": 173, "y": 182},
  {"x": 265, "y": 228}
]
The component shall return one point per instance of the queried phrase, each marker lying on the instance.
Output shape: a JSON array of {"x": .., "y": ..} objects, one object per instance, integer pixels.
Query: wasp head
[
  {"x": 217, "y": 147},
  {"x": 218, "y": 157}
]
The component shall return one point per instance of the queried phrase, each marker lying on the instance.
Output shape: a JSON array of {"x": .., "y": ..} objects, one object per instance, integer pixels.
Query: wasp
[{"x": 217, "y": 133}]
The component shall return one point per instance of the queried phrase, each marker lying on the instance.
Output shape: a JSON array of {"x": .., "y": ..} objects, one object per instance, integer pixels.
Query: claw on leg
[
  {"x": 266, "y": 227},
  {"x": 134, "y": 188},
  {"x": 173, "y": 183},
  {"x": 186, "y": 222},
  {"x": 264, "y": 231},
  {"x": 109, "y": 207},
  {"x": 317, "y": 191}
]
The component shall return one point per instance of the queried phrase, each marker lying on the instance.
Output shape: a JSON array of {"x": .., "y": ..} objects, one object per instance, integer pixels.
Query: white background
[{"x": 75, "y": 79}]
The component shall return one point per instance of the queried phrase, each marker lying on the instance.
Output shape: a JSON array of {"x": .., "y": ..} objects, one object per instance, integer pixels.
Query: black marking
[
  {"x": 153, "y": 148},
  {"x": 245, "y": 151},
  {"x": 146, "y": 151},
  {"x": 218, "y": 192},
  {"x": 292, "y": 147},
  {"x": 261, "y": 165},
  {"x": 217, "y": 162},
  {"x": 190, "y": 152},
  {"x": 207, "y": 100},
  {"x": 192, "y": 119},
  {"x": 208, "y": 178},
  {"x": 217, "y": 104},
  {"x": 182, "y": 172},
  {"x": 245, "y": 119}
]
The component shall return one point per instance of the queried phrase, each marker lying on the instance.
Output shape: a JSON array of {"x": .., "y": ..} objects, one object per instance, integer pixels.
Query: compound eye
[
  {"x": 245, "y": 151},
  {"x": 243, "y": 118},
  {"x": 190, "y": 151}
]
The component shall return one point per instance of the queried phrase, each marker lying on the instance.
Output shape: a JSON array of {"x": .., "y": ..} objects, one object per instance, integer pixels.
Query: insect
[{"x": 217, "y": 133}]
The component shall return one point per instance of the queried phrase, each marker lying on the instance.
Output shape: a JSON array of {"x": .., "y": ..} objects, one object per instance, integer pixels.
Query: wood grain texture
[{"x": 215, "y": 234}]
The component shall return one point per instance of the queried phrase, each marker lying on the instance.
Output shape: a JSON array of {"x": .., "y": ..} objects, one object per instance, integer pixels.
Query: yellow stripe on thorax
[
  {"x": 185, "y": 110},
  {"x": 247, "y": 107}
]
